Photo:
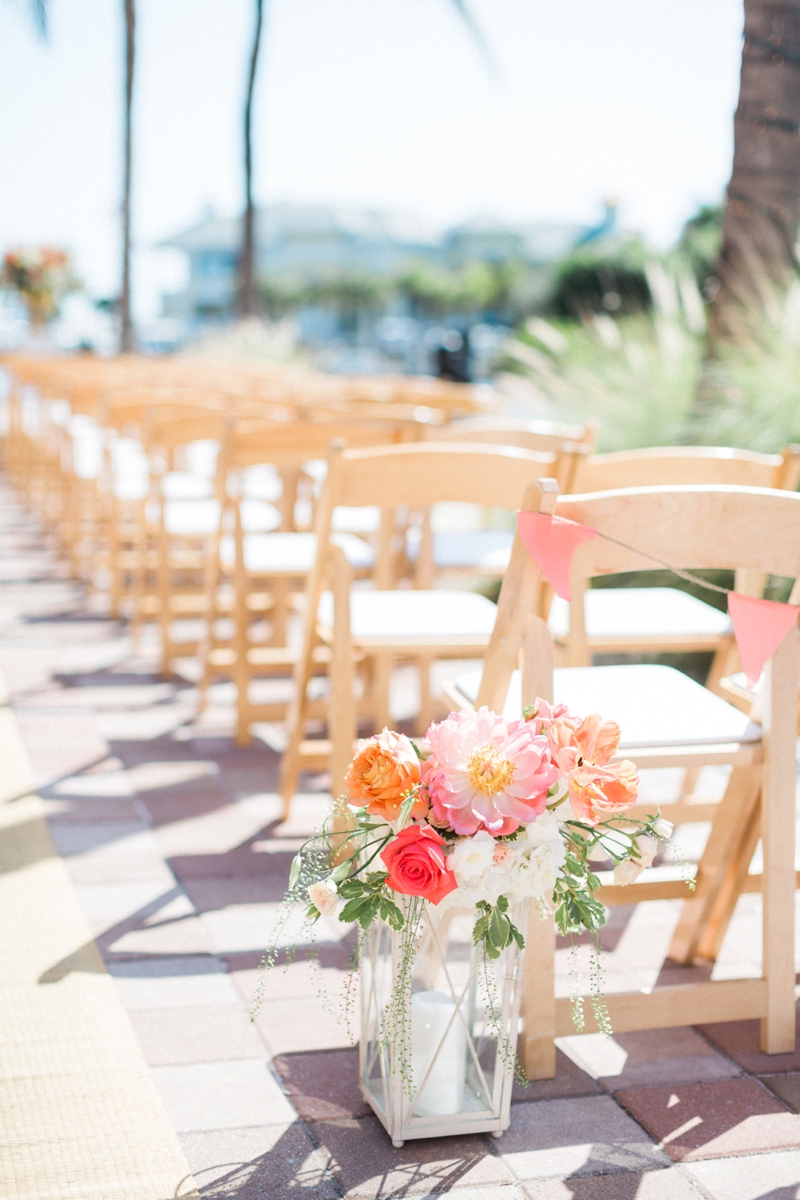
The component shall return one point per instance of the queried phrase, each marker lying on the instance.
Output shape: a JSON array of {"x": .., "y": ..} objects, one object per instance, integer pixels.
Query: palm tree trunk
[
  {"x": 127, "y": 339},
  {"x": 248, "y": 303},
  {"x": 762, "y": 213}
]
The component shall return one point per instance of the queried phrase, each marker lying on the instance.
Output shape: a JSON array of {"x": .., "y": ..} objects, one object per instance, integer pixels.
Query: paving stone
[
  {"x": 289, "y": 981},
  {"x": 786, "y": 1086},
  {"x": 756, "y": 1177},
  {"x": 291, "y": 1026},
  {"x": 257, "y": 885},
  {"x": 161, "y": 933},
  {"x": 110, "y": 852},
  {"x": 569, "y": 1080},
  {"x": 173, "y": 982},
  {"x": 272, "y": 1162},
  {"x": 740, "y": 1040},
  {"x": 710, "y": 1120},
  {"x": 323, "y": 1085},
  {"x": 248, "y": 927},
  {"x": 648, "y": 1058},
  {"x": 669, "y": 1184},
  {"x": 586, "y": 1136},
  {"x": 203, "y": 1033},
  {"x": 110, "y": 904},
  {"x": 495, "y": 1191},
  {"x": 365, "y": 1164},
  {"x": 225, "y": 1095}
]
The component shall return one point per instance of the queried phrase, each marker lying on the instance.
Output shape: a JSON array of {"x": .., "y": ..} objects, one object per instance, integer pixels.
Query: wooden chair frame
[{"x": 707, "y": 527}]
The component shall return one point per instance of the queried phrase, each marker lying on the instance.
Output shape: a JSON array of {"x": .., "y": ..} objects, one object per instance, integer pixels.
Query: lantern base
[{"x": 398, "y": 1143}]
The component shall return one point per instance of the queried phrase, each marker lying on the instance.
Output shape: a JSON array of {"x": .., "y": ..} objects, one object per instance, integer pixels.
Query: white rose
[
  {"x": 647, "y": 847},
  {"x": 471, "y": 858},
  {"x": 627, "y": 871},
  {"x": 663, "y": 829},
  {"x": 324, "y": 895}
]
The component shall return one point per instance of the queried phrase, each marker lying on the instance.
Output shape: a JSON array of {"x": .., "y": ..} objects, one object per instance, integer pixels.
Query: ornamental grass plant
[{"x": 639, "y": 375}]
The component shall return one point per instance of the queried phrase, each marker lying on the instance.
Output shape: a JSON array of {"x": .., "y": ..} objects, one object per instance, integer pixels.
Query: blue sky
[{"x": 381, "y": 102}]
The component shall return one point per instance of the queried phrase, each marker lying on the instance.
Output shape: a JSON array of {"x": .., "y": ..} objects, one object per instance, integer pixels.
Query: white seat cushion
[
  {"x": 291, "y": 553},
  {"x": 438, "y": 616},
  {"x": 191, "y": 518},
  {"x": 357, "y": 520},
  {"x": 182, "y": 485},
  {"x": 484, "y": 550},
  {"x": 259, "y": 516},
  {"x": 653, "y": 705},
  {"x": 641, "y": 612}
]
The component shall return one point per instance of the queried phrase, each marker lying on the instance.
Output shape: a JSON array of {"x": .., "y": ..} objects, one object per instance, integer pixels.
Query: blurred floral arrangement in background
[{"x": 41, "y": 277}]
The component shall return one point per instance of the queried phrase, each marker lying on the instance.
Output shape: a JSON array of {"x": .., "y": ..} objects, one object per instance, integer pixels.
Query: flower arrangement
[
  {"x": 41, "y": 277},
  {"x": 485, "y": 812}
]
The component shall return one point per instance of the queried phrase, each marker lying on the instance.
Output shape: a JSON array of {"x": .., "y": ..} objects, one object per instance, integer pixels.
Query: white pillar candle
[{"x": 431, "y": 1013}]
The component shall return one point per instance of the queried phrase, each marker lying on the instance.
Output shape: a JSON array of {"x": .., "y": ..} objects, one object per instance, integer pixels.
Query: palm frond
[
  {"x": 469, "y": 19},
  {"x": 40, "y": 15}
]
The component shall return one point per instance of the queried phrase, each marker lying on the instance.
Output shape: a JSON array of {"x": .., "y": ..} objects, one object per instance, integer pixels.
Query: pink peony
[{"x": 487, "y": 773}]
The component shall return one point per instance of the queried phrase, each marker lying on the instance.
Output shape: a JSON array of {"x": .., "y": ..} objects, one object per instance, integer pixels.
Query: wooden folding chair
[
  {"x": 387, "y": 625},
  {"x": 668, "y": 720},
  {"x": 648, "y": 620},
  {"x": 481, "y": 551},
  {"x": 266, "y": 565}
]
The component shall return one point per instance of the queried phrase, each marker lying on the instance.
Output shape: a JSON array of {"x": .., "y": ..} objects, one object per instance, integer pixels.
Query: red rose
[{"x": 418, "y": 865}]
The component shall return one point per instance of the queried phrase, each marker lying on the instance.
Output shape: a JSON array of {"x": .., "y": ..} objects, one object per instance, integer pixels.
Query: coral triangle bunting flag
[
  {"x": 551, "y": 542},
  {"x": 759, "y": 627}
]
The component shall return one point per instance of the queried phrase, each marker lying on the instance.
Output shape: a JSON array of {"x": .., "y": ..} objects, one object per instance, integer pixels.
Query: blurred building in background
[{"x": 371, "y": 290}]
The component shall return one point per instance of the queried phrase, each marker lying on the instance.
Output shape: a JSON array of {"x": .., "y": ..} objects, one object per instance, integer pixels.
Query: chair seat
[
  {"x": 391, "y": 618},
  {"x": 484, "y": 550},
  {"x": 357, "y": 520},
  {"x": 183, "y": 485},
  {"x": 191, "y": 518},
  {"x": 291, "y": 553},
  {"x": 630, "y": 613},
  {"x": 653, "y": 705}
]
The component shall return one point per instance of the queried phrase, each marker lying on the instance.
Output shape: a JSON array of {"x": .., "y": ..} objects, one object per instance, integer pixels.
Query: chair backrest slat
[{"x": 425, "y": 473}]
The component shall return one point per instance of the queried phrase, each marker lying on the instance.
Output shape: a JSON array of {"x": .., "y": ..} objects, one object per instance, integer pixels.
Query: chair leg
[
  {"x": 343, "y": 719},
  {"x": 733, "y": 815},
  {"x": 722, "y": 664},
  {"x": 425, "y": 716},
  {"x": 379, "y": 685},
  {"x": 720, "y": 918},
  {"x": 296, "y": 723},
  {"x": 538, "y": 1049},
  {"x": 241, "y": 667},
  {"x": 777, "y": 833}
]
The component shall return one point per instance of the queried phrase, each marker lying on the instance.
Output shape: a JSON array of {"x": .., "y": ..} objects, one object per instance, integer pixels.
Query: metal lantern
[{"x": 459, "y": 1028}]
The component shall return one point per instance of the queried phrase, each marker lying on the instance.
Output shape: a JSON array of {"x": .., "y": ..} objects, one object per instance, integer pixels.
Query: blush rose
[{"x": 417, "y": 864}]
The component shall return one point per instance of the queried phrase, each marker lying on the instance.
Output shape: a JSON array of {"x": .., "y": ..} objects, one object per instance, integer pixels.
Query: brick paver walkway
[{"x": 170, "y": 838}]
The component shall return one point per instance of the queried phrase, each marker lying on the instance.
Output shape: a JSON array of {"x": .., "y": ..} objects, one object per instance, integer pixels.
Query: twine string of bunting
[{"x": 759, "y": 626}]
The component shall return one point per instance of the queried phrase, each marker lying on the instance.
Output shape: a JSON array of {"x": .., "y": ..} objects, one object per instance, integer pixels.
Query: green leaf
[
  {"x": 294, "y": 874},
  {"x": 391, "y": 914},
  {"x": 404, "y": 816},
  {"x": 352, "y": 910}
]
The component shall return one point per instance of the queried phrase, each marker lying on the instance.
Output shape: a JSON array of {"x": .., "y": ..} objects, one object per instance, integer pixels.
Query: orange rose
[
  {"x": 384, "y": 770},
  {"x": 597, "y": 792}
]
